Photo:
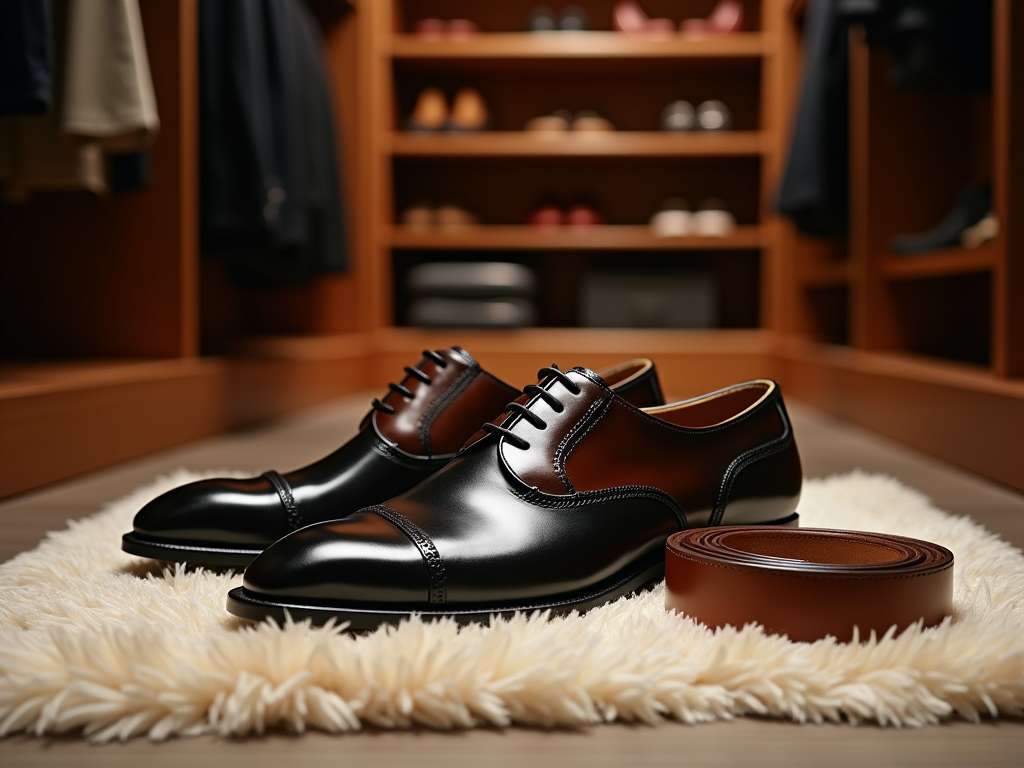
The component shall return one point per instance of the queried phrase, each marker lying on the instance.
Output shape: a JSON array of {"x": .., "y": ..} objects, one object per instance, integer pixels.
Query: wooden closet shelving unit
[{"x": 117, "y": 339}]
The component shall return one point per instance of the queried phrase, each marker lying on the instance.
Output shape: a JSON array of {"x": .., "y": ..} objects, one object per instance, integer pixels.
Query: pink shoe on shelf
[
  {"x": 726, "y": 17},
  {"x": 629, "y": 17},
  {"x": 431, "y": 30},
  {"x": 461, "y": 29}
]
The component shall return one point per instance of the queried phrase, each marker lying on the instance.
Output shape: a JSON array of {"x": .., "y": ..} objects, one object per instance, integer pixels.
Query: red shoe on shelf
[
  {"x": 629, "y": 17},
  {"x": 548, "y": 216},
  {"x": 583, "y": 215},
  {"x": 726, "y": 17}
]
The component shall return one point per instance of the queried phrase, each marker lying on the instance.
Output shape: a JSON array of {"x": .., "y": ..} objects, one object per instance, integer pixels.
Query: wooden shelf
[
  {"x": 943, "y": 263},
  {"x": 584, "y": 45},
  {"x": 569, "y": 239},
  {"x": 825, "y": 274},
  {"x": 569, "y": 144}
]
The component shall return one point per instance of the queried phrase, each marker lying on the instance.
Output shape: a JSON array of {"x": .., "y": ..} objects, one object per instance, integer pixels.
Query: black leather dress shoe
[
  {"x": 564, "y": 505},
  {"x": 416, "y": 429}
]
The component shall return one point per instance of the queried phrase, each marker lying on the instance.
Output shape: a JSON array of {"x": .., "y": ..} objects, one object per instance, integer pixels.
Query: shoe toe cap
[
  {"x": 362, "y": 559},
  {"x": 222, "y": 510}
]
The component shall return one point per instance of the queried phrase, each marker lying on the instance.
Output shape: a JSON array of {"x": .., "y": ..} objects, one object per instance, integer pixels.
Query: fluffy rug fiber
[{"x": 102, "y": 643}]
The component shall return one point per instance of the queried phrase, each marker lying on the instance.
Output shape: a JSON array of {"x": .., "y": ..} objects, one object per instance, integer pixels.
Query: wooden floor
[{"x": 827, "y": 446}]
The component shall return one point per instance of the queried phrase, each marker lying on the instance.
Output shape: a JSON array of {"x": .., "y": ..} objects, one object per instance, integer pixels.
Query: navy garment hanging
[
  {"x": 270, "y": 195},
  {"x": 935, "y": 45},
  {"x": 26, "y": 57}
]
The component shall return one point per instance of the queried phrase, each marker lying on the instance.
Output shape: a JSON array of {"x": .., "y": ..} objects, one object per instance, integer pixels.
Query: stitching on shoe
[
  {"x": 284, "y": 492},
  {"x": 622, "y": 492},
  {"x": 573, "y": 436},
  {"x": 438, "y": 589},
  {"x": 403, "y": 459},
  {"x": 457, "y": 388}
]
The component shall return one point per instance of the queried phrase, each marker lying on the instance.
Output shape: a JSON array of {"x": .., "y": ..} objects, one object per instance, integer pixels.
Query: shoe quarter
[{"x": 628, "y": 447}]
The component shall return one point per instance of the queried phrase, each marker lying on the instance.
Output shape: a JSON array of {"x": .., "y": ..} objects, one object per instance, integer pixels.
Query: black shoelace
[
  {"x": 544, "y": 374},
  {"x": 416, "y": 373}
]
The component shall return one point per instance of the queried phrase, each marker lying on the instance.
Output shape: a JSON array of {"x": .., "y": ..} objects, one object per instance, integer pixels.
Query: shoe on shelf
[
  {"x": 583, "y": 215},
  {"x": 461, "y": 29},
  {"x": 413, "y": 431},
  {"x": 726, "y": 17},
  {"x": 555, "y": 122},
  {"x": 712, "y": 220},
  {"x": 674, "y": 219},
  {"x": 450, "y": 216},
  {"x": 713, "y": 115},
  {"x": 469, "y": 111},
  {"x": 430, "y": 112},
  {"x": 562, "y": 503},
  {"x": 985, "y": 230},
  {"x": 629, "y": 17},
  {"x": 546, "y": 216},
  {"x": 419, "y": 216},
  {"x": 573, "y": 19},
  {"x": 541, "y": 19},
  {"x": 431, "y": 30},
  {"x": 589, "y": 121},
  {"x": 971, "y": 206},
  {"x": 678, "y": 116}
]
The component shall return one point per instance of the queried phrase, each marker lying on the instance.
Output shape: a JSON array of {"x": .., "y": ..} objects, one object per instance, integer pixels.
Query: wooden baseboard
[
  {"x": 64, "y": 419},
  {"x": 957, "y": 413}
]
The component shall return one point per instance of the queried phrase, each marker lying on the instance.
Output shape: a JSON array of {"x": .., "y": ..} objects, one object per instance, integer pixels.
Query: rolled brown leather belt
[{"x": 807, "y": 583}]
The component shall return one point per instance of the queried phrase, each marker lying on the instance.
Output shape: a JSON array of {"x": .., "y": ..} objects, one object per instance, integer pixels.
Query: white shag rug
[{"x": 99, "y": 642}]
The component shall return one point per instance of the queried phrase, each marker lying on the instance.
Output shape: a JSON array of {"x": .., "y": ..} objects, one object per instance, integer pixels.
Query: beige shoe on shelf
[
  {"x": 469, "y": 111},
  {"x": 430, "y": 112}
]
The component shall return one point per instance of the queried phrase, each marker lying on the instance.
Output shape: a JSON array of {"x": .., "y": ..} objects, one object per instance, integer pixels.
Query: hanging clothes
[
  {"x": 103, "y": 99},
  {"x": 270, "y": 194},
  {"x": 936, "y": 45}
]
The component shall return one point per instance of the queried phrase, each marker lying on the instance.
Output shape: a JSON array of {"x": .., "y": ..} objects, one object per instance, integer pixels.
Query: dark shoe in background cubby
[{"x": 971, "y": 206}]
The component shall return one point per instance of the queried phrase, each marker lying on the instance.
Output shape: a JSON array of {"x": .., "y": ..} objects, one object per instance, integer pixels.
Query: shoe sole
[
  {"x": 650, "y": 568},
  {"x": 183, "y": 552}
]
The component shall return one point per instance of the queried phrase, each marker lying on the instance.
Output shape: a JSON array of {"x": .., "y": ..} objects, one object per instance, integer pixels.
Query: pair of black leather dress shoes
[{"x": 562, "y": 502}]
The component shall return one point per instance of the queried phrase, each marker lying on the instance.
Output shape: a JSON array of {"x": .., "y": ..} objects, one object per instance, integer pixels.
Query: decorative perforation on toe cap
[{"x": 435, "y": 567}]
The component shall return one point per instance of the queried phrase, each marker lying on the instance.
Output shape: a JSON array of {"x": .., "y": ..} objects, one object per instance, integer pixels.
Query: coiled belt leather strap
[{"x": 807, "y": 583}]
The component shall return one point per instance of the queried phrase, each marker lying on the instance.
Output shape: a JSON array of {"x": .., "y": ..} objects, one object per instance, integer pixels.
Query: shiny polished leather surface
[
  {"x": 809, "y": 583},
  {"x": 583, "y": 493},
  {"x": 228, "y": 522}
]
